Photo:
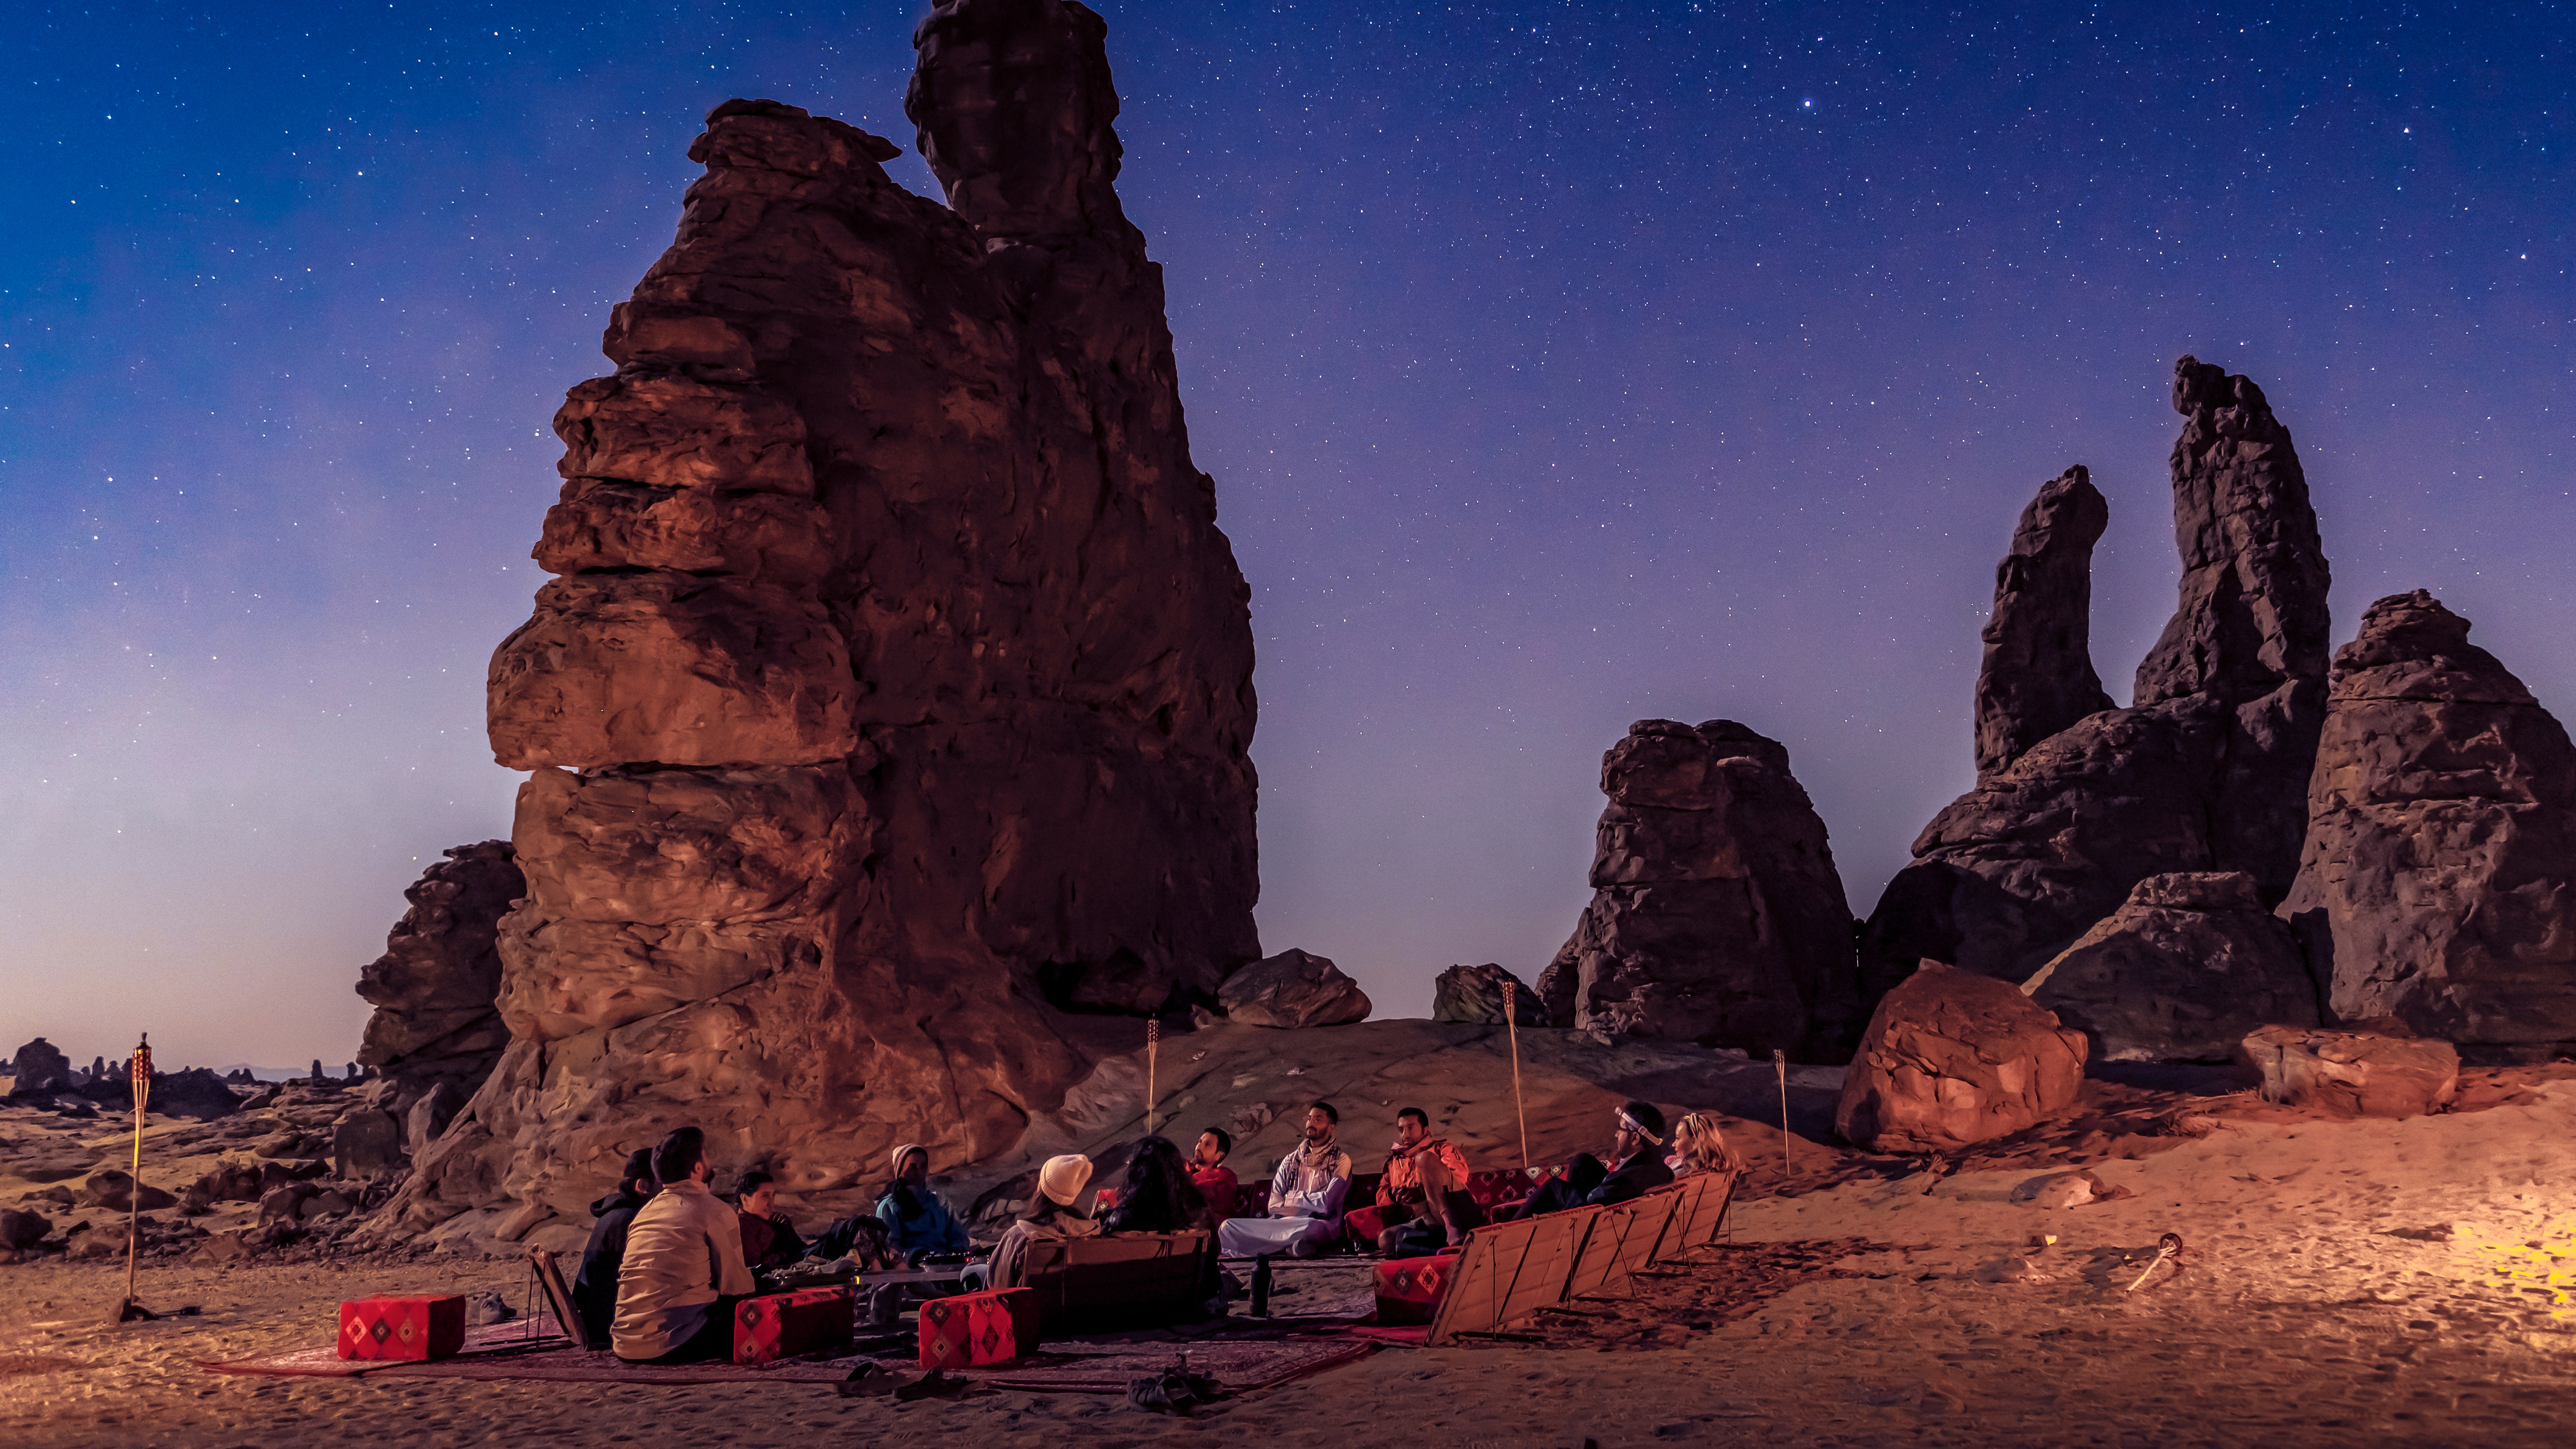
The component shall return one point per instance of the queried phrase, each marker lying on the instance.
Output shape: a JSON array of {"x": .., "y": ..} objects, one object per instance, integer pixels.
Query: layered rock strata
[
  {"x": 896, "y": 693},
  {"x": 2439, "y": 880},
  {"x": 2179, "y": 973},
  {"x": 2204, "y": 771},
  {"x": 436, "y": 988},
  {"x": 1717, "y": 916}
]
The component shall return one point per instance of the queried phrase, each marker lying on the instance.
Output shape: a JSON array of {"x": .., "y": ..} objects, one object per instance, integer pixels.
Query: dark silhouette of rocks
[
  {"x": 2205, "y": 771},
  {"x": 2179, "y": 973},
  {"x": 1472, "y": 994},
  {"x": 1953, "y": 1058},
  {"x": 435, "y": 988},
  {"x": 2037, "y": 676},
  {"x": 897, "y": 693},
  {"x": 39, "y": 1066},
  {"x": 2442, "y": 829},
  {"x": 1717, "y": 916},
  {"x": 1292, "y": 989}
]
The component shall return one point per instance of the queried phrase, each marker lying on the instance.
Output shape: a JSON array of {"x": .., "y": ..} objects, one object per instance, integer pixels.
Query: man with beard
[{"x": 1305, "y": 1196}]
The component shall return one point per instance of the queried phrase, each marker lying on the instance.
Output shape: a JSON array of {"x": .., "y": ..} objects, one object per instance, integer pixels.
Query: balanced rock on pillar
[
  {"x": 2185, "y": 967},
  {"x": 1953, "y": 1058}
]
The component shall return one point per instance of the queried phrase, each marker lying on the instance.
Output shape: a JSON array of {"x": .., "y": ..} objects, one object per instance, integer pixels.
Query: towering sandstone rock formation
[
  {"x": 897, "y": 690},
  {"x": 2037, "y": 676},
  {"x": 2436, "y": 886},
  {"x": 2207, "y": 768},
  {"x": 1717, "y": 915}
]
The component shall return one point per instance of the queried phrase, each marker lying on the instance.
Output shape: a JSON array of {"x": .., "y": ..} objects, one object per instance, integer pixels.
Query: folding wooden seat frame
[{"x": 1511, "y": 1270}]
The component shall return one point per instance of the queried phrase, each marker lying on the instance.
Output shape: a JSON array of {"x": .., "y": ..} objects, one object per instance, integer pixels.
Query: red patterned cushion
[
  {"x": 782, "y": 1325},
  {"x": 1409, "y": 1289},
  {"x": 1364, "y": 1224},
  {"x": 402, "y": 1328},
  {"x": 979, "y": 1328},
  {"x": 1509, "y": 1184}
]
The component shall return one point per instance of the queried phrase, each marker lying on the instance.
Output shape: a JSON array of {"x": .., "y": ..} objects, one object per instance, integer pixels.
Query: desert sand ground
[{"x": 2346, "y": 1283}]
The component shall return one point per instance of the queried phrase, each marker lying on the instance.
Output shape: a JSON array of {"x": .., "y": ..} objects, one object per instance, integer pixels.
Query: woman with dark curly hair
[{"x": 1158, "y": 1196}]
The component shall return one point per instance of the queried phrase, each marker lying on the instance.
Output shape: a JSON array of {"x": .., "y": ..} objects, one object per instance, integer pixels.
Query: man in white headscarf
[{"x": 1305, "y": 1196}]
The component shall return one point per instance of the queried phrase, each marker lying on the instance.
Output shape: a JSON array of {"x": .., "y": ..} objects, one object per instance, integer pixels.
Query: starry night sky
[{"x": 1559, "y": 365}]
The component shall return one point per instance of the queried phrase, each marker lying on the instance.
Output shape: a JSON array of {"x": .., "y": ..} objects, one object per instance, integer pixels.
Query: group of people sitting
[{"x": 667, "y": 1258}]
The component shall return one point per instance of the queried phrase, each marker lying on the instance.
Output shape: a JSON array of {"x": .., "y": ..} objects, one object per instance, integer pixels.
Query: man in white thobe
[{"x": 1305, "y": 1209}]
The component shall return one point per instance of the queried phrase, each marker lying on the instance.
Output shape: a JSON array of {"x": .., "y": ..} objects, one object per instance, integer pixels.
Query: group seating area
[{"x": 1508, "y": 1271}]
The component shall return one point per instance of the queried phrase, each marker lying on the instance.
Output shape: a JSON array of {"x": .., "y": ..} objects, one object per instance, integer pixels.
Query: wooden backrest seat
[
  {"x": 1699, "y": 1213},
  {"x": 1623, "y": 1239},
  {"x": 1511, "y": 1270},
  {"x": 1119, "y": 1281}
]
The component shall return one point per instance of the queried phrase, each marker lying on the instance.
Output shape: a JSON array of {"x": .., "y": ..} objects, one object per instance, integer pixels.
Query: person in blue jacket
[{"x": 916, "y": 1221}]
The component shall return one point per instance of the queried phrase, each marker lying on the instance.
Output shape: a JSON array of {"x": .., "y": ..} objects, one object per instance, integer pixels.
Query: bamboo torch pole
[
  {"x": 139, "y": 1072},
  {"x": 1153, "y": 1036},
  {"x": 1512, "y": 1026},
  {"x": 1780, "y": 1059}
]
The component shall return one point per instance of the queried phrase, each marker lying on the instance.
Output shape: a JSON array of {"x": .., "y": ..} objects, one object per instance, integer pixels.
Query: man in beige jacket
[{"x": 683, "y": 1269}]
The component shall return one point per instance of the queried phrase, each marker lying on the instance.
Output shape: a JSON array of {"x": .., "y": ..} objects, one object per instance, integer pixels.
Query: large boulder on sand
[
  {"x": 2208, "y": 767},
  {"x": 1471, "y": 994},
  {"x": 2439, "y": 881},
  {"x": 1717, "y": 915},
  {"x": 895, "y": 709},
  {"x": 1293, "y": 988},
  {"x": 2187, "y": 965},
  {"x": 2355, "y": 1073},
  {"x": 1952, "y": 1058}
]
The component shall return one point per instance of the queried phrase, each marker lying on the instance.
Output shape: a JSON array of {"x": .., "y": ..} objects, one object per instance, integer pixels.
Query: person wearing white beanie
[{"x": 1053, "y": 1213}]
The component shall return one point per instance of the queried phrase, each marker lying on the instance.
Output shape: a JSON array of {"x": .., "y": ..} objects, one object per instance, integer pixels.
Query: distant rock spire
[{"x": 2037, "y": 677}]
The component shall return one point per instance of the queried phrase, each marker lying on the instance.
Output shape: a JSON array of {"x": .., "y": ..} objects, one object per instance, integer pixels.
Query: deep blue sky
[{"x": 1559, "y": 365}]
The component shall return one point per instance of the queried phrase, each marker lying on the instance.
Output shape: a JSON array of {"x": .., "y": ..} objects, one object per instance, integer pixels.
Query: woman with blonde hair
[{"x": 1698, "y": 1146}]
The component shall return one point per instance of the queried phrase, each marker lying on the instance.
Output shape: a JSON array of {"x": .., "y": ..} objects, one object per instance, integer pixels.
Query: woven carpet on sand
[{"x": 507, "y": 1351}]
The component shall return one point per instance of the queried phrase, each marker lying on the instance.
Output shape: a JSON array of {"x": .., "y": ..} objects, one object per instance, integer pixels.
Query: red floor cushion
[{"x": 1409, "y": 1289}]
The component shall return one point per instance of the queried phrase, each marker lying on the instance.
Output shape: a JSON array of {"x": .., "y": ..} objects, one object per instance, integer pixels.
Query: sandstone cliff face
[
  {"x": 2037, "y": 676},
  {"x": 2200, "y": 773},
  {"x": 434, "y": 989},
  {"x": 1717, "y": 915},
  {"x": 2436, "y": 885},
  {"x": 897, "y": 692},
  {"x": 2179, "y": 973}
]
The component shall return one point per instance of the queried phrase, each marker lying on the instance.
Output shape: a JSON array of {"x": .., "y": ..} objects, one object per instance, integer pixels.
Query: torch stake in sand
[
  {"x": 1780, "y": 1059},
  {"x": 139, "y": 1073},
  {"x": 1512, "y": 1027},
  {"x": 1153, "y": 1036}
]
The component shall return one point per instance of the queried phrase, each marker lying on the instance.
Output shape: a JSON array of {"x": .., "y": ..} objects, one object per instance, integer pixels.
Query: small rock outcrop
[
  {"x": 1717, "y": 916},
  {"x": 2206, "y": 769},
  {"x": 1474, "y": 994},
  {"x": 1953, "y": 1058},
  {"x": 895, "y": 694},
  {"x": 2037, "y": 676},
  {"x": 2353, "y": 1073},
  {"x": 1293, "y": 989},
  {"x": 2179, "y": 973},
  {"x": 2439, "y": 881},
  {"x": 435, "y": 989},
  {"x": 40, "y": 1066}
]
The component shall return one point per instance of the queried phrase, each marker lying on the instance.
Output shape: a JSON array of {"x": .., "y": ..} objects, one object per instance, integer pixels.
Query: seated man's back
[{"x": 683, "y": 1252}]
